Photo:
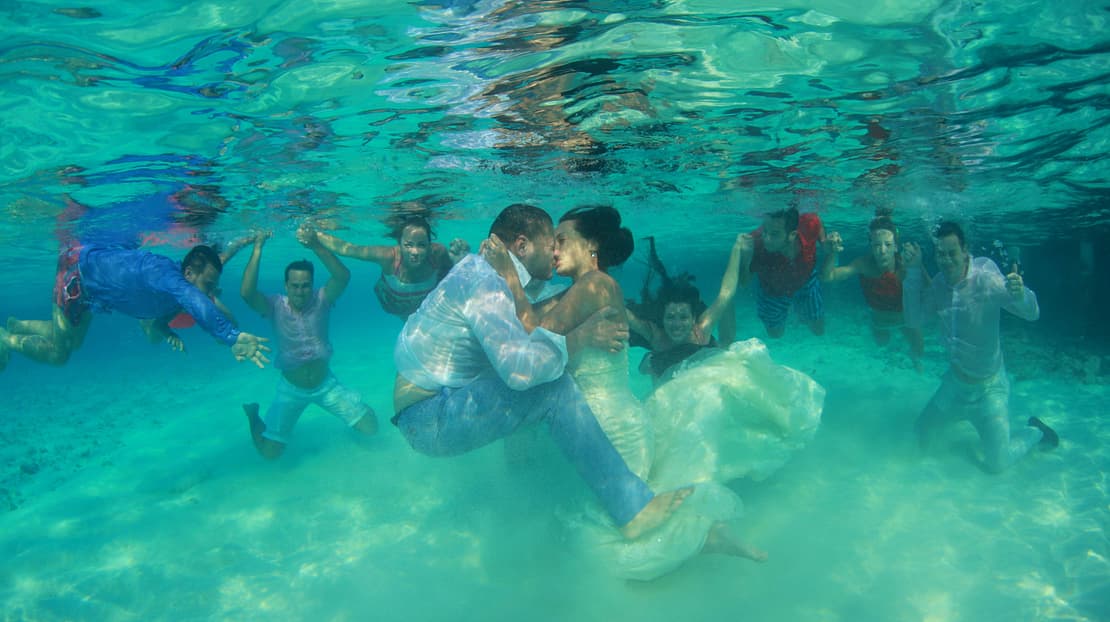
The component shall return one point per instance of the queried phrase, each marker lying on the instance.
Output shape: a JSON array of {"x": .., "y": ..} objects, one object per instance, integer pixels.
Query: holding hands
[{"x": 833, "y": 243}]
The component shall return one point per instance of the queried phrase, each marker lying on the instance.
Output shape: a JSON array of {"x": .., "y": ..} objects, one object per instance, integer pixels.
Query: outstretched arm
[
  {"x": 248, "y": 289},
  {"x": 381, "y": 255},
  {"x": 340, "y": 275},
  {"x": 712, "y": 315},
  {"x": 747, "y": 249},
  {"x": 829, "y": 270},
  {"x": 232, "y": 248}
]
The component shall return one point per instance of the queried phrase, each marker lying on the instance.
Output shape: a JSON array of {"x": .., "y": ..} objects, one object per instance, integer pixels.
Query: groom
[{"x": 469, "y": 373}]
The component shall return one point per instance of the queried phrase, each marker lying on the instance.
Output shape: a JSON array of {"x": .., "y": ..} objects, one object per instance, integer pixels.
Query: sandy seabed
[{"x": 130, "y": 491}]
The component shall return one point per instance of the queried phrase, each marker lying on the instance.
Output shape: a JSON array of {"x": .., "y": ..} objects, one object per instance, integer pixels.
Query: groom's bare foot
[{"x": 656, "y": 512}]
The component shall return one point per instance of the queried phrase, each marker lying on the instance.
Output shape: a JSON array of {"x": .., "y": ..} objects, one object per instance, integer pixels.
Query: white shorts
[{"x": 291, "y": 401}]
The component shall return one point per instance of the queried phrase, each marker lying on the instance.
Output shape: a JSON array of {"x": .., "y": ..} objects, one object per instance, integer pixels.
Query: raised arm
[
  {"x": 381, "y": 255},
  {"x": 747, "y": 249},
  {"x": 232, "y": 248},
  {"x": 340, "y": 275},
  {"x": 712, "y": 315},
  {"x": 248, "y": 289}
]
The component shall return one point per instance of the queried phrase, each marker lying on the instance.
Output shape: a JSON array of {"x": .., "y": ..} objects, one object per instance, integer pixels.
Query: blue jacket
[{"x": 146, "y": 286}]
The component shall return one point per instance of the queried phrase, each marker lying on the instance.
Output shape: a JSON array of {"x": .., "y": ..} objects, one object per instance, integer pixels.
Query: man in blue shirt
[
  {"x": 136, "y": 283},
  {"x": 469, "y": 373}
]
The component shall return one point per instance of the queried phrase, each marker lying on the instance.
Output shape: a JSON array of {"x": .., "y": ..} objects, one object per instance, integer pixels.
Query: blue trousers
[{"x": 455, "y": 421}]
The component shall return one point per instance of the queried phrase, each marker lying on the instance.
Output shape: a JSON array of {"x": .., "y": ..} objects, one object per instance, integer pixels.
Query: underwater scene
[{"x": 556, "y": 310}]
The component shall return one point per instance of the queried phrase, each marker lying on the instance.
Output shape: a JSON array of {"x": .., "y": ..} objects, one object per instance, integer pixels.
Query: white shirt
[
  {"x": 968, "y": 313},
  {"x": 467, "y": 326}
]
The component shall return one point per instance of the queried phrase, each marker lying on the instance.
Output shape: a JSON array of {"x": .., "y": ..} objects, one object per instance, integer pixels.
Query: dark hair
[
  {"x": 680, "y": 291},
  {"x": 520, "y": 219},
  {"x": 601, "y": 224},
  {"x": 303, "y": 265},
  {"x": 200, "y": 257},
  {"x": 399, "y": 224},
  {"x": 947, "y": 228},
  {"x": 788, "y": 216},
  {"x": 883, "y": 223}
]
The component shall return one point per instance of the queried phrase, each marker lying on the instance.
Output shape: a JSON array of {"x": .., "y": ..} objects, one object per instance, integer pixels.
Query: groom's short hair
[{"x": 521, "y": 219}]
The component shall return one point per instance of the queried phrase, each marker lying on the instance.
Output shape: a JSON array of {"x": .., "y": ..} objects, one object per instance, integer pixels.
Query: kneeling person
[{"x": 300, "y": 318}]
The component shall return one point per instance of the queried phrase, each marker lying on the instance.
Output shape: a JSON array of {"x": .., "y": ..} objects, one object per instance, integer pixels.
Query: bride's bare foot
[
  {"x": 658, "y": 510},
  {"x": 722, "y": 541}
]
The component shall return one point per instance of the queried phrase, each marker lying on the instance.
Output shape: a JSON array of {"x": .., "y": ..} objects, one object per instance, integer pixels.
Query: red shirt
[{"x": 780, "y": 276}]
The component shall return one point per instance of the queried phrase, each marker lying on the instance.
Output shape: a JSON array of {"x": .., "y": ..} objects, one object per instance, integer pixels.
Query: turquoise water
[{"x": 129, "y": 488}]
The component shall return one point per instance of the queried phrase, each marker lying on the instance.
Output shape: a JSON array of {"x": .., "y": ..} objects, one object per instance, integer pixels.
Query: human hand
[
  {"x": 833, "y": 243},
  {"x": 248, "y": 347},
  {"x": 261, "y": 236},
  {"x": 746, "y": 242},
  {"x": 605, "y": 330},
  {"x": 1014, "y": 283},
  {"x": 458, "y": 249},
  {"x": 307, "y": 235},
  {"x": 497, "y": 254},
  {"x": 175, "y": 342},
  {"x": 911, "y": 254}
]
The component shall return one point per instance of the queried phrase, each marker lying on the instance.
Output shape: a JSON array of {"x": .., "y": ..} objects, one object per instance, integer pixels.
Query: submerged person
[
  {"x": 136, "y": 283},
  {"x": 966, "y": 297},
  {"x": 589, "y": 241},
  {"x": 468, "y": 373},
  {"x": 300, "y": 318},
  {"x": 410, "y": 269},
  {"x": 686, "y": 332},
  {"x": 782, "y": 253},
  {"x": 880, "y": 277}
]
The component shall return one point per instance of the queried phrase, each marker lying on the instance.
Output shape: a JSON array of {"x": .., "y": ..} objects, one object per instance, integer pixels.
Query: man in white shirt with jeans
[
  {"x": 469, "y": 373},
  {"x": 966, "y": 297}
]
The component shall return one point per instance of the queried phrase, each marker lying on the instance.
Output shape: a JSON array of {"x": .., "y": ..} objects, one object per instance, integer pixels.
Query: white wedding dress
[{"x": 732, "y": 414}]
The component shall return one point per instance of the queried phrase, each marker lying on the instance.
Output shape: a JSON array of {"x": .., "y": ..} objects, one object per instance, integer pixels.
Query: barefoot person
[
  {"x": 880, "y": 277},
  {"x": 300, "y": 318},
  {"x": 469, "y": 373},
  {"x": 967, "y": 296},
  {"x": 136, "y": 283}
]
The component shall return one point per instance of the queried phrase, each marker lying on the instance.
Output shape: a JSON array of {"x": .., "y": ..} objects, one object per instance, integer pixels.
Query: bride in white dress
[{"x": 734, "y": 414}]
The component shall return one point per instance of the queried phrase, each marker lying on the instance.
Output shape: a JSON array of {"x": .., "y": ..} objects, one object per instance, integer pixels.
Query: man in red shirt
[{"x": 783, "y": 254}]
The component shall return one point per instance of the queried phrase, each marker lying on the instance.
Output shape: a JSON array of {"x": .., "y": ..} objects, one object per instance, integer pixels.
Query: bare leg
[
  {"x": 917, "y": 345},
  {"x": 43, "y": 328},
  {"x": 722, "y": 541},
  {"x": 817, "y": 327},
  {"x": 656, "y": 512},
  {"x": 270, "y": 450},
  {"x": 881, "y": 335},
  {"x": 53, "y": 348}
]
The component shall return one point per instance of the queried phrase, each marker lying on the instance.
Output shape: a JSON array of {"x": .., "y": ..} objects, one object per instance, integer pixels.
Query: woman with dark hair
[
  {"x": 684, "y": 325},
  {"x": 880, "y": 277},
  {"x": 411, "y": 269}
]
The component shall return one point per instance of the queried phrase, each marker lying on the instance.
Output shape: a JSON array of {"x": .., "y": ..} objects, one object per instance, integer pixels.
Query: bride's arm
[{"x": 588, "y": 294}]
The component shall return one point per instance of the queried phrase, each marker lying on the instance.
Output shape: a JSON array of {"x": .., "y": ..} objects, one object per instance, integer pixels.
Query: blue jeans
[{"x": 455, "y": 421}]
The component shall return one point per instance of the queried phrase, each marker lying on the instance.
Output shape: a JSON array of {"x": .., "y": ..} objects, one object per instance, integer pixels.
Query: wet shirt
[
  {"x": 147, "y": 286},
  {"x": 302, "y": 336},
  {"x": 468, "y": 327},
  {"x": 778, "y": 274},
  {"x": 968, "y": 313}
]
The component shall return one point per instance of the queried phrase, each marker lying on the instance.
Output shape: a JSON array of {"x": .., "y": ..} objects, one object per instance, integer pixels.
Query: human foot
[
  {"x": 656, "y": 512},
  {"x": 5, "y": 350},
  {"x": 256, "y": 423},
  {"x": 721, "y": 540},
  {"x": 1050, "y": 440}
]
